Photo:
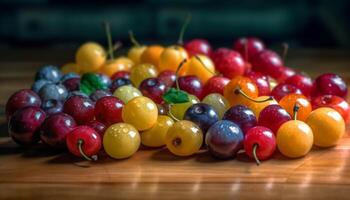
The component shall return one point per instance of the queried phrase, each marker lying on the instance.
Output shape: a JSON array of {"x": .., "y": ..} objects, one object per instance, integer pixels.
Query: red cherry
[
  {"x": 198, "y": 46},
  {"x": 120, "y": 74},
  {"x": 304, "y": 83},
  {"x": 337, "y": 103},
  {"x": 259, "y": 143},
  {"x": 229, "y": 63},
  {"x": 72, "y": 84},
  {"x": 168, "y": 77},
  {"x": 215, "y": 84},
  {"x": 284, "y": 73},
  {"x": 84, "y": 141},
  {"x": 261, "y": 81},
  {"x": 108, "y": 110},
  {"x": 192, "y": 85},
  {"x": 330, "y": 84},
  {"x": 21, "y": 99},
  {"x": 283, "y": 89},
  {"x": 98, "y": 126},
  {"x": 154, "y": 89},
  {"x": 267, "y": 62},
  {"x": 248, "y": 47},
  {"x": 80, "y": 108},
  {"x": 272, "y": 117}
]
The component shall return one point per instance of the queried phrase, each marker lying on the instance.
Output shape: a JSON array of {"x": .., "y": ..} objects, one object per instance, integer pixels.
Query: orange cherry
[
  {"x": 240, "y": 90},
  {"x": 116, "y": 65},
  {"x": 289, "y": 101},
  {"x": 152, "y": 54},
  {"x": 171, "y": 57},
  {"x": 201, "y": 66}
]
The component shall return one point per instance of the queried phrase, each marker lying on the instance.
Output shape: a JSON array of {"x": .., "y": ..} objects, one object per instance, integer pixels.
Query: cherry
[
  {"x": 261, "y": 81},
  {"x": 108, "y": 110},
  {"x": 215, "y": 84},
  {"x": 248, "y": 47},
  {"x": 240, "y": 90},
  {"x": 230, "y": 63},
  {"x": 337, "y": 103},
  {"x": 116, "y": 83},
  {"x": 98, "y": 94},
  {"x": 168, "y": 77},
  {"x": 120, "y": 74},
  {"x": 52, "y": 106},
  {"x": 21, "y": 99},
  {"x": 330, "y": 84},
  {"x": 259, "y": 143},
  {"x": 218, "y": 53},
  {"x": 24, "y": 125},
  {"x": 98, "y": 126},
  {"x": 267, "y": 62},
  {"x": 284, "y": 89},
  {"x": 192, "y": 85},
  {"x": 242, "y": 116},
  {"x": 203, "y": 115},
  {"x": 84, "y": 141},
  {"x": 80, "y": 108},
  {"x": 284, "y": 73},
  {"x": 154, "y": 89},
  {"x": 304, "y": 83},
  {"x": 272, "y": 117},
  {"x": 198, "y": 46},
  {"x": 55, "y": 129},
  {"x": 72, "y": 84}
]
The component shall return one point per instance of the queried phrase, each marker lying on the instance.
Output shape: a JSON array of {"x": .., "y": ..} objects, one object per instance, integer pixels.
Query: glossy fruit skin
[
  {"x": 250, "y": 46},
  {"x": 288, "y": 102},
  {"x": 72, "y": 84},
  {"x": 272, "y": 117},
  {"x": 105, "y": 79},
  {"x": 294, "y": 139},
  {"x": 337, "y": 103},
  {"x": 267, "y": 62},
  {"x": 242, "y": 116},
  {"x": 229, "y": 63},
  {"x": 264, "y": 138},
  {"x": 98, "y": 94},
  {"x": 127, "y": 93},
  {"x": 179, "y": 109},
  {"x": 69, "y": 76},
  {"x": 203, "y": 115},
  {"x": 49, "y": 73},
  {"x": 37, "y": 85},
  {"x": 108, "y": 110},
  {"x": 284, "y": 73},
  {"x": 258, "y": 107},
  {"x": 135, "y": 53},
  {"x": 261, "y": 81},
  {"x": 121, "y": 140},
  {"x": 80, "y": 108},
  {"x": 119, "y": 64},
  {"x": 218, "y": 102},
  {"x": 198, "y": 46},
  {"x": 53, "y": 91},
  {"x": 141, "y": 112},
  {"x": 304, "y": 83},
  {"x": 154, "y": 89},
  {"x": 151, "y": 55},
  {"x": 284, "y": 89},
  {"x": 91, "y": 141},
  {"x": 120, "y": 74},
  {"x": 140, "y": 72},
  {"x": 203, "y": 71},
  {"x": 155, "y": 136},
  {"x": 192, "y": 85},
  {"x": 21, "y": 99},
  {"x": 52, "y": 106},
  {"x": 99, "y": 127},
  {"x": 224, "y": 139},
  {"x": 171, "y": 58},
  {"x": 24, "y": 125},
  {"x": 90, "y": 57},
  {"x": 246, "y": 85},
  {"x": 55, "y": 128},
  {"x": 118, "y": 83},
  {"x": 184, "y": 138},
  {"x": 168, "y": 77},
  {"x": 330, "y": 84},
  {"x": 327, "y": 126},
  {"x": 70, "y": 68},
  {"x": 215, "y": 84}
]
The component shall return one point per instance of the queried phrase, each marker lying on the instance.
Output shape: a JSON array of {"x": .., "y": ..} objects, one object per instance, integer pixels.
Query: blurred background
[{"x": 301, "y": 23}]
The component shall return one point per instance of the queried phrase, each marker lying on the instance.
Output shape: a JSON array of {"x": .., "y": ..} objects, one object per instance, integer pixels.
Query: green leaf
[
  {"x": 174, "y": 96},
  {"x": 91, "y": 82}
]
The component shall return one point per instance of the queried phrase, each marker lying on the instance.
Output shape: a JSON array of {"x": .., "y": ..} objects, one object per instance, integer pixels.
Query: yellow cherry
[
  {"x": 140, "y": 72},
  {"x": 178, "y": 110},
  {"x": 220, "y": 104},
  {"x": 90, "y": 57},
  {"x": 200, "y": 66},
  {"x": 171, "y": 57},
  {"x": 135, "y": 53},
  {"x": 126, "y": 93},
  {"x": 155, "y": 136}
]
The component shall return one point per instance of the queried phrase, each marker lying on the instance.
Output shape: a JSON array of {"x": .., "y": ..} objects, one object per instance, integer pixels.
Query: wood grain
[{"x": 39, "y": 172}]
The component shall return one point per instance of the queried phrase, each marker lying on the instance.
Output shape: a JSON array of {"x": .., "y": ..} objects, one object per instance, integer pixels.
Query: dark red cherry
[
  {"x": 248, "y": 47},
  {"x": 303, "y": 82},
  {"x": 154, "y": 89},
  {"x": 168, "y": 77},
  {"x": 192, "y": 85},
  {"x": 215, "y": 84},
  {"x": 72, "y": 84},
  {"x": 283, "y": 89},
  {"x": 21, "y": 99},
  {"x": 80, "y": 108},
  {"x": 120, "y": 74},
  {"x": 330, "y": 84},
  {"x": 267, "y": 62},
  {"x": 98, "y": 126},
  {"x": 272, "y": 117},
  {"x": 108, "y": 110}
]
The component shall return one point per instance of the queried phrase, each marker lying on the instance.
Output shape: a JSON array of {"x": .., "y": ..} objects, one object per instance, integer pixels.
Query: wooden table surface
[{"x": 39, "y": 173}]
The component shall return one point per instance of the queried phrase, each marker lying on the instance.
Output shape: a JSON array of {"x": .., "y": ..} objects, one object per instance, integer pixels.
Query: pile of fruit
[{"x": 186, "y": 97}]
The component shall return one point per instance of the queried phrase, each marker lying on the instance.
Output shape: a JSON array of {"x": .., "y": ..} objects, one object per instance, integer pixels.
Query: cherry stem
[
  {"x": 246, "y": 51},
  {"x": 177, "y": 73},
  {"x": 183, "y": 29},
  {"x": 240, "y": 91},
  {"x": 177, "y": 141},
  {"x": 255, "y": 147},
  {"x": 133, "y": 39},
  {"x": 80, "y": 147},
  {"x": 171, "y": 114},
  {"x": 109, "y": 40},
  {"x": 285, "y": 51},
  {"x": 295, "y": 111},
  {"x": 205, "y": 67}
]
